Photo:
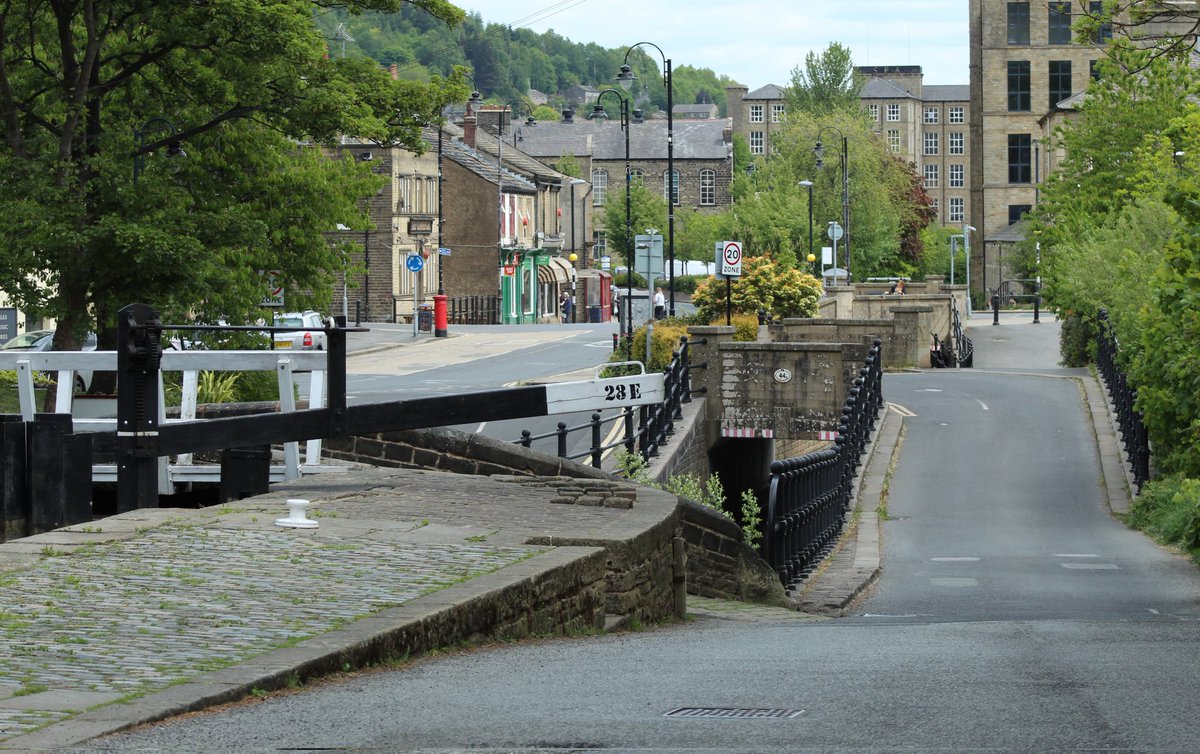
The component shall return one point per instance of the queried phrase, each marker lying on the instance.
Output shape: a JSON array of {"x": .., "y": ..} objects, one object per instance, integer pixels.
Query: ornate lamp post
[
  {"x": 598, "y": 112},
  {"x": 626, "y": 78},
  {"x": 844, "y": 155}
]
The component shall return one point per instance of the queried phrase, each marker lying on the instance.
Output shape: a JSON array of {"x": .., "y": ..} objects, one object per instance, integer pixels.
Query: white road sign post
[{"x": 729, "y": 265}]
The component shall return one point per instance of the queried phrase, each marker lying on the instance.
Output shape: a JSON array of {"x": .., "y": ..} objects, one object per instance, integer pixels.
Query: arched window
[
  {"x": 599, "y": 187},
  {"x": 636, "y": 176},
  {"x": 708, "y": 187},
  {"x": 671, "y": 187}
]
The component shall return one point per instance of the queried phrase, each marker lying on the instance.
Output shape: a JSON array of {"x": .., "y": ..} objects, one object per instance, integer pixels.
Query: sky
[{"x": 757, "y": 42}]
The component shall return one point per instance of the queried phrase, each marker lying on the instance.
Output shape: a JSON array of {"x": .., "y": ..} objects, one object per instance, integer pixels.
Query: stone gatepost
[
  {"x": 912, "y": 333},
  {"x": 707, "y": 354}
]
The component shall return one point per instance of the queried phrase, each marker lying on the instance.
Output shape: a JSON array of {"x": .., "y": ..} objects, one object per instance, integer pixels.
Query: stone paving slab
[{"x": 133, "y": 605}]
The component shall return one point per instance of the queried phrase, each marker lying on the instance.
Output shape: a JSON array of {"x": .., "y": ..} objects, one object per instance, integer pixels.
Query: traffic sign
[
  {"x": 729, "y": 258},
  {"x": 274, "y": 294},
  {"x": 834, "y": 231},
  {"x": 414, "y": 263},
  {"x": 444, "y": 251}
]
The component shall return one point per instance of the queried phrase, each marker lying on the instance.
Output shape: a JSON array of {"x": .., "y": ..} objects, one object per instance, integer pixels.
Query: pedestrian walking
[
  {"x": 566, "y": 305},
  {"x": 660, "y": 304}
]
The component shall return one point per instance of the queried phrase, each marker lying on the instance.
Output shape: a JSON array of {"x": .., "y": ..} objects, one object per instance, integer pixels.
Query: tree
[
  {"x": 648, "y": 209},
  {"x": 828, "y": 82},
  {"x": 764, "y": 285},
  {"x": 1162, "y": 28},
  {"x": 95, "y": 97}
]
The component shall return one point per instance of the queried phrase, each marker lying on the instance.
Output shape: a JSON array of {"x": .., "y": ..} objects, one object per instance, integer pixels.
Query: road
[{"x": 1014, "y": 614}]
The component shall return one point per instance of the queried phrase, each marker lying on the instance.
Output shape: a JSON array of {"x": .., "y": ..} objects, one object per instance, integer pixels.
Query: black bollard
[{"x": 995, "y": 308}]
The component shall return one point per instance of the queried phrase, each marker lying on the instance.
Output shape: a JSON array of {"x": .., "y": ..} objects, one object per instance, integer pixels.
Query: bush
[
  {"x": 622, "y": 281},
  {"x": 687, "y": 283},
  {"x": 1169, "y": 510},
  {"x": 1076, "y": 340},
  {"x": 765, "y": 285},
  {"x": 663, "y": 345}
]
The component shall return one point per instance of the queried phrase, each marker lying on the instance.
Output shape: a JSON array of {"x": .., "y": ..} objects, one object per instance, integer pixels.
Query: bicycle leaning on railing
[
  {"x": 810, "y": 495},
  {"x": 1123, "y": 397},
  {"x": 646, "y": 428}
]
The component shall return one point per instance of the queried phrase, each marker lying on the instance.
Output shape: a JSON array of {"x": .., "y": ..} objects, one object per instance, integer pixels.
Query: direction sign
[
  {"x": 443, "y": 251},
  {"x": 414, "y": 263},
  {"x": 729, "y": 260}
]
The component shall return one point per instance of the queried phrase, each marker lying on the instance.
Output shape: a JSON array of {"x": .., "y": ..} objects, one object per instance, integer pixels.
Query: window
[
  {"x": 636, "y": 176},
  {"x": 756, "y": 142},
  {"x": 708, "y": 187},
  {"x": 958, "y": 114},
  {"x": 1018, "y": 23},
  {"x": 1017, "y": 211},
  {"x": 756, "y": 113},
  {"x": 931, "y": 176},
  {"x": 1095, "y": 74},
  {"x": 931, "y": 115},
  {"x": 957, "y": 176},
  {"x": 1104, "y": 32},
  {"x": 1019, "y": 99},
  {"x": 937, "y": 205},
  {"x": 599, "y": 187},
  {"x": 957, "y": 209},
  {"x": 931, "y": 142},
  {"x": 777, "y": 112},
  {"x": 599, "y": 244},
  {"x": 894, "y": 139},
  {"x": 873, "y": 112},
  {"x": 1060, "y": 23},
  {"x": 893, "y": 113},
  {"x": 674, "y": 187},
  {"x": 1020, "y": 158},
  {"x": 1060, "y": 81},
  {"x": 404, "y": 194},
  {"x": 956, "y": 142}
]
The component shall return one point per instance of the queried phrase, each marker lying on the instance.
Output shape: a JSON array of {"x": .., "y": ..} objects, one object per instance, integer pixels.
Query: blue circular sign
[{"x": 414, "y": 263}]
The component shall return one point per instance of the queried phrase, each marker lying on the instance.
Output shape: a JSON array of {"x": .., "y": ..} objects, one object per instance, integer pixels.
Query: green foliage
[
  {"x": 79, "y": 237},
  {"x": 745, "y": 327},
  {"x": 648, "y": 209},
  {"x": 216, "y": 387},
  {"x": 1168, "y": 509},
  {"x": 708, "y": 492},
  {"x": 751, "y": 518},
  {"x": 828, "y": 82},
  {"x": 686, "y": 283},
  {"x": 765, "y": 285},
  {"x": 663, "y": 344},
  {"x": 1076, "y": 339}
]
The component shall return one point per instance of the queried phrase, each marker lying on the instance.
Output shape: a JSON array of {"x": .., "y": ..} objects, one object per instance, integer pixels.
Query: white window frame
[
  {"x": 777, "y": 111},
  {"x": 958, "y": 114},
  {"x": 931, "y": 143},
  {"x": 958, "y": 209},
  {"x": 893, "y": 113},
  {"x": 599, "y": 186},
  {"x": 667, "y": 198},
  {"x": 931, "y": 175},
  {"x": 873, "y": 112},
  {"x": 757, "y": 113},
  {"x": 708, "y": 187},
  {"x": 893, "y": 137},
  {"x": 931, "y": 115},
  {"x": 956, "y": 143},
  {"x": 957, "y": 176},
  {"x": 758, "y": 142}
]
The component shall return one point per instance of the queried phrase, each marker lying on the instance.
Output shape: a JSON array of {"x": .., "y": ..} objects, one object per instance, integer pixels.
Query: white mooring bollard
[{"x": 296, "y": 518}]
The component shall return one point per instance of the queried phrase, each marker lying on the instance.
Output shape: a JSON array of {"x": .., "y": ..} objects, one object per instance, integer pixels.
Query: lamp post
[
  {"x": 598, "y": 112},
  {"x": 844, "y": 154},
  {"x": 967, "y": 255},
  {"x": 812, "y": 258},
  {"x": 500, "y": 189},
  {"x": 626, "y": 78},
  {"x": 174, "y": 145}
]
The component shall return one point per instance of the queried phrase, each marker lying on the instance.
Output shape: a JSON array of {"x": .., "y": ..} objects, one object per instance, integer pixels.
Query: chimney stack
[{"x": 469, "y": 129}]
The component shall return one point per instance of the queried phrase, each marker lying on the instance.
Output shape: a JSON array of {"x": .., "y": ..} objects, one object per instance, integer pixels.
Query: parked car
[
  {"x": 309, "y": 334},
  {"x": 42, "y": 340}
]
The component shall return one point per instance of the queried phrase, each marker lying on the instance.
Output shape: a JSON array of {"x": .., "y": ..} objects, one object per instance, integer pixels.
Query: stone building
[
  {"x": 703, "y": 159},
  {"x": 757, "y": 115}
]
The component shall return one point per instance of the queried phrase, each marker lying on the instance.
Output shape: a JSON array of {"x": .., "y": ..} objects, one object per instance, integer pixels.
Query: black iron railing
[
  {"x": 810, "y": 495},
  {"x": 646, "y": 428},
  {"x": 1124, "y": 398},
  {"x": 473, "y": 310},
  {"x": 963, "y": 346}
]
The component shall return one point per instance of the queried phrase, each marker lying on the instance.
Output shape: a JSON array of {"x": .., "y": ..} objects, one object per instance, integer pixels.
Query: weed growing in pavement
[
  {"x": 51, "y": 552},
  {"x": 31, "y": 688},
  {"x": 259, "y": 693}
]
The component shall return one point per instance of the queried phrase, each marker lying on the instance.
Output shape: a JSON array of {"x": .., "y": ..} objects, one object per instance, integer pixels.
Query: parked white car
[
  {"x": 42, "y": 340},
  {"x": 309, "y": 334}
]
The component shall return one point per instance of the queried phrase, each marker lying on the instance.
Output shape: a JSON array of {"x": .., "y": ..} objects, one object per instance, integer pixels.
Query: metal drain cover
[{"x": 735, "y": 713}]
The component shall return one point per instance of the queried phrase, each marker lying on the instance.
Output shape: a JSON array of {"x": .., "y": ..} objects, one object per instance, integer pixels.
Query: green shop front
[{"x": 531, "y": 281}]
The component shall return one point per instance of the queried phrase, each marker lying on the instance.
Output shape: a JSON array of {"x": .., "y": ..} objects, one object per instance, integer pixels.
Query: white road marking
[
  {"x": 955, "y": 560},
  {"x": 900, "y": 409},
  {"x": 982, "y": 404},
  {"x": 1153, "y": 611},
  {"x": 928, "y": 390},
  {"x": 1091, "y": 566},
  {"x": 906, "y": 615},
  {"x": 1076, "y": 555},
  {"x": 479, "y": 429},
  {"x": 955, "y": 583},
  {"x": 600, "y": 344}
]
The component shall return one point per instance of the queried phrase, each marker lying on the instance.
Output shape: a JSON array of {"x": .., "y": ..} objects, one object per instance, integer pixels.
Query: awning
[{"x": 555, "y": 270}]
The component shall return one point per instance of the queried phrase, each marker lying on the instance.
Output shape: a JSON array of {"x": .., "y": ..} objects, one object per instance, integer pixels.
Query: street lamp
[
  {"x": 812, "y": 258},
  {"x": 441, "y": 327},
  {"x": 598, "y": 112},
  {"x": 626, "y": 78},
  {"x": 173, "y": 144},
  {"x": 844, "y": 155},
  {"x": 500, "y": 188}
]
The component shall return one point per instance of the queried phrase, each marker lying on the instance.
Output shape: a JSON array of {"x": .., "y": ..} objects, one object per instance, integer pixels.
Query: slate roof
[
  {"x": 604, "y": 140},
  {"x": 770, "y": 91},
  {"x": 478, "y": 163},
  {"x": 947, "y": 92},
  {"x": 884, "y": 89}
]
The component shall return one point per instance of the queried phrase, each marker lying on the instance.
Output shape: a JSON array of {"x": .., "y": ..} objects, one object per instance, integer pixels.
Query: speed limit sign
[{"x": 729, "y": 258}]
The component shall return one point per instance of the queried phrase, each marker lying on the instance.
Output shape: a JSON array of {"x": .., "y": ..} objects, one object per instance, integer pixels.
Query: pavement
[{"x": 153, "y": 613}]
